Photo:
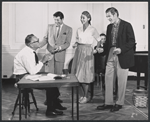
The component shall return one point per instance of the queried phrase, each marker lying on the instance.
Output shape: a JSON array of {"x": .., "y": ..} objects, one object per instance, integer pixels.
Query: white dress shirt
[
  {"x": 89, "y": 36},
  {"x": 24, "y": 62}
]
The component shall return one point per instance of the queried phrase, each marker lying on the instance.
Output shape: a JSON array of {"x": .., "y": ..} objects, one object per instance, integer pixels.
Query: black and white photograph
[{"x": 72, "y": 60}]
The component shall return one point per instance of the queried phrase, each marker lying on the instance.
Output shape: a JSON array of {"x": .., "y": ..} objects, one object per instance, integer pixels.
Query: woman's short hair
[
  {"x": 59, "y": 14},
  {"x": 113, "y": 11},
  {"x": 28, "y": 39},
  {"x": 87, "y": 14}
]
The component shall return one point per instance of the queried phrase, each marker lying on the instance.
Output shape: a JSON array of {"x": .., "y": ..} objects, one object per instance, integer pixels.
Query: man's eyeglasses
[{"x": 35, "y": 41}]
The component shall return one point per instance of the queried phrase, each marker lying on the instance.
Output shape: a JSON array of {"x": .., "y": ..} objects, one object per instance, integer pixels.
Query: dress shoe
[
  {"x": 116, "y": 107},
  {"x": 103, "y": 107},
  {"x": 60, "y": 107},
  {"x": 58, "y": 112},
  {"x": 51, "y": 114}
]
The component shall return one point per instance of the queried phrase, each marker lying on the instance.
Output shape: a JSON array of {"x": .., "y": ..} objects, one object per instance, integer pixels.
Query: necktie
[
  {"x": 58, "y": 29},
  {"x": 36, "y": 58}
]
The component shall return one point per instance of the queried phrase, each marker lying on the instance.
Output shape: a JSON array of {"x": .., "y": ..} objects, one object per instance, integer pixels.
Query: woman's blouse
[{"x": 89, "y": 36}]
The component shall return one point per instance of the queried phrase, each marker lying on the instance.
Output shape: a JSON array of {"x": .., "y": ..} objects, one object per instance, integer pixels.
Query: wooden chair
[
  {"x": 100, "y": 65},
  {"x": 25, "y": 103}
]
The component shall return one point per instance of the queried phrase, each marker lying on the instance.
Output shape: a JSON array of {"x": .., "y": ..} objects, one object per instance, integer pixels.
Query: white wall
[{"x": 22, "y": 18}]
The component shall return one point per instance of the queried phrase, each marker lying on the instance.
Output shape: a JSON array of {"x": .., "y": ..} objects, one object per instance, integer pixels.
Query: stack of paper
[
  {"x": 33, "y": 77},
  {"x": 51, "y": 75},
  {"x": 43, "y": 78}
]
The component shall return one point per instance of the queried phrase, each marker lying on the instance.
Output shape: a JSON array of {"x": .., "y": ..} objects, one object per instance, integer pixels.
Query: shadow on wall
[
  {"x": 7, "y": 62},
  {"x": 70, "y": 65}
]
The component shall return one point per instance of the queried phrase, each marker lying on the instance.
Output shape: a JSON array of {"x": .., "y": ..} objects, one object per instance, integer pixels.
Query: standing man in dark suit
[
  {"x": 100, "y": 59},
  {"x": 58, "y": 37},
  {"x": 119, "y": 49}
]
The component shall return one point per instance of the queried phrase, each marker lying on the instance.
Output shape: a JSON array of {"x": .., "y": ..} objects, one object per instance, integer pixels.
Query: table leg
[
  {"x": 77, "y": 103},
  {"x": 72, "y": 102},
  {"x": 146, "y": 81},
  {"x": 26, "y": 102},
  {"x": 92, "y": 90},
  {"x": 19, "y": 103},
  {"x": 138, "y": 80}
]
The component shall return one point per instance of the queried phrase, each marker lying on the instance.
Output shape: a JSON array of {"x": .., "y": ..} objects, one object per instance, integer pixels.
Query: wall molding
[{"x": 8, "y": 49}]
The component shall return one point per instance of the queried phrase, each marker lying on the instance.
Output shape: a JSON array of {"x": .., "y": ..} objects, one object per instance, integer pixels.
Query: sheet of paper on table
[{"x": 40, "y": 77}]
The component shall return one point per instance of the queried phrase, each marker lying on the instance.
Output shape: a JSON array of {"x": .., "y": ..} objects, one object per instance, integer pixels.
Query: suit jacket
[
  {"x": 62, "y": 40},
  {"x": 125, "y": 41}
]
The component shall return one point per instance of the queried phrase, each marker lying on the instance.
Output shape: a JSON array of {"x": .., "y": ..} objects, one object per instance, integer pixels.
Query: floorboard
[{"x": 86, "y": 111}]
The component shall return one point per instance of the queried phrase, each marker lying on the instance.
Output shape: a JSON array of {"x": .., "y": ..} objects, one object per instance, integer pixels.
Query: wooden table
[{"x": 70, "y": 81}]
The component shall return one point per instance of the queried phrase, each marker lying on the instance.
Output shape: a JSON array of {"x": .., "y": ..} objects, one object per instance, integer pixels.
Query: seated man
[
  {"x": 101, "y": 45},
  {"x": 100, "y": 50},
  {"x": 26, "y": 62},
  {"x": 99, "y": 57}
]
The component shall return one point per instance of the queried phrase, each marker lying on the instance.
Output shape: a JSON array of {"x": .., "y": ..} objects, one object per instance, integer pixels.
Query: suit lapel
[
  {"x": 62, "y": 30},
  {"x": 120, "y": 29},
  {"x": 110, "y": 33},
  {"x": 53, "y": 29}
]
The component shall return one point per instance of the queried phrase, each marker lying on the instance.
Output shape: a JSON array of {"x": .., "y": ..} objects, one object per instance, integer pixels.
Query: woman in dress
[{"x": 83, "y": 61}]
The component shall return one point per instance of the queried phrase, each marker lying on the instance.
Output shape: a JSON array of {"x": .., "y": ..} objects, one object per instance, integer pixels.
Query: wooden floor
[{"x": 86, "y": 111}]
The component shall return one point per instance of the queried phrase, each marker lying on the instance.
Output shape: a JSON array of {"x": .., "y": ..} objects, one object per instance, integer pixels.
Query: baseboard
[
  {"x": 132, "y": 77},
  {"x": 8, "y": 80},
  {"x": 135, "y": 78}
]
